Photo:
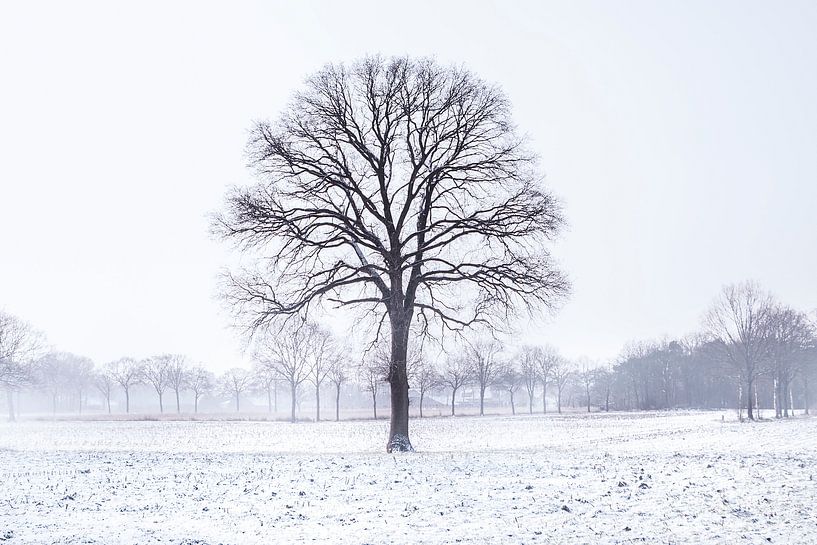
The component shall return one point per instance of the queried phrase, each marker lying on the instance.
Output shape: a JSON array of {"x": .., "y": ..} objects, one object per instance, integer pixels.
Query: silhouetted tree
[{"x": 376, "y": 187}]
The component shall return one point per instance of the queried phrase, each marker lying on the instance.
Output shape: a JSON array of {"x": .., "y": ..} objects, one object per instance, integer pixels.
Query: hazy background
[{"x": 682, "y": 138}]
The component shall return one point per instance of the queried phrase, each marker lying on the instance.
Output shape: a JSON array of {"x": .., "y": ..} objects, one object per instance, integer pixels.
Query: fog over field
[{"x": 438, "y": 272}]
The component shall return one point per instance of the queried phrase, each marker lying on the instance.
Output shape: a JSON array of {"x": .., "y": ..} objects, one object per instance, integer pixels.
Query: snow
[{"x": 618, "y": 478}]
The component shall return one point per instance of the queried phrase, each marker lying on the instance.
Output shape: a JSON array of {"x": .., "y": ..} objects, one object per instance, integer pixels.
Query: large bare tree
[
  {"x": 399, "y": 187},
  {"x": 740, "y": 323}
]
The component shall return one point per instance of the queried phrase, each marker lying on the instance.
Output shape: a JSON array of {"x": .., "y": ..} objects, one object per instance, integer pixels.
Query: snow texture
[{"x": 618, "y": 478}]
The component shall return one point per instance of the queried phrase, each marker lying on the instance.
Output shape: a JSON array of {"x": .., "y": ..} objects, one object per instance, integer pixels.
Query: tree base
[{"x": 399, "y": 443}]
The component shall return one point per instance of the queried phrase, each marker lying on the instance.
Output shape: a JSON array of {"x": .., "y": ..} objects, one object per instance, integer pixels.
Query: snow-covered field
[{"x": 618, "y": 478}]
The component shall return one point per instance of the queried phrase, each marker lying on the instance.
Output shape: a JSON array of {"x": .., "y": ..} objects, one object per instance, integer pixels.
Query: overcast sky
[{"x": 681, "y": 136}]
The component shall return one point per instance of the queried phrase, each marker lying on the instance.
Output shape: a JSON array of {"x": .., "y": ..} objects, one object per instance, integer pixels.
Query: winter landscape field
[{"x": 691, "y": 477}]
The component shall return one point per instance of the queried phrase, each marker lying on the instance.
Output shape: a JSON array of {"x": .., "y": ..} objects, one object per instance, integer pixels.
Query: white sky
[{"x": 682, "y": 137}]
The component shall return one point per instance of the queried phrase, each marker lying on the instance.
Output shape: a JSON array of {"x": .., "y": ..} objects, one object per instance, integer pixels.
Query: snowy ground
[{"x": 619, "y": 478}]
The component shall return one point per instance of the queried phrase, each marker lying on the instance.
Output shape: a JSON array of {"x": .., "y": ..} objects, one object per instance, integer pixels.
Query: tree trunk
[
  {"x": 275, "y": 397},
  {"x": 422, "y": 395},
  {"x": 513, "y": 407},
  {"x": 238, "y": 402},
  {"x": 607, "y": 402},
  {"x": 559, "y": 401},
  {"x": 398, "y": 381},
  {"x": 108, "y": 399},
  {"x": 544, "y": 397},
  {"x": 269, "y": 399},
  {"x": 785, "y": 398},
  {"x": 294, "y": 393},
  {"x": 776, "y": 398},
  {"x": 530, "y": 402},
  {"x": 317, "y": 402},
  {"x": 453, "y": 397},
  {"x": 161, "y": 404},
  {"x": 196, "y": 403},
  {"x": 791, "y": 400},
  {"x": 127, "y": 400},
  {"x": 374, "y": 401},
  {"x": 482, "y": 401},
  {"x": 10, "y": 398},
  {"x": 178, "y": 404},
  {"x": 750, "y": 413},
  {"x": 805, "y": 393},
  {"x": 337, "y": 403}
]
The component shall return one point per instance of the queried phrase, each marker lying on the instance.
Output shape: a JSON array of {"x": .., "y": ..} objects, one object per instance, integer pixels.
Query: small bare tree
[
  {"x": 104, "y": 383},
  {"x": 156, "y": 372},
  {"x": 178, "y": 370},
  {"x": 322, "y": 355},
  {"x": 791, "y": 338},
  {"x": 288, "y": 353},
  {"x": 510, "y": 380},
  {"x": 740, "y": 322},
  {"x": 561, "y": 373},
  {"x": 266, "y": 378},
  {"x": 200, "y": 382},
  {"x": 371, "y": 373},
  {"x": 529, "y": 364},
  {"x": 547, "y": 358},
  {"x": 424, "y": 376},
  {"x": 486, "y": 365},
  {"x": 236, "y": 381},
  {"x": 456, "y": 373},
  {"x": 376, "y": 190},
  {"x": 338, "y": 376},
  {"x": 20, "y": 345},
  {"x": 126, "y": 372},
  {"x": 587, "y": 378}
]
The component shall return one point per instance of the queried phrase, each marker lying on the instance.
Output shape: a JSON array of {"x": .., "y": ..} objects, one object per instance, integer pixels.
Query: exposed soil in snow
[{"x": 619, "y": 478}]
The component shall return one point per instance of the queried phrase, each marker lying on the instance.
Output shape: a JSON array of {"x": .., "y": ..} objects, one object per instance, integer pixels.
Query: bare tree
[
  {"x": 547, "y": 358},
  {"x": 603, "y": 382},
  {"x": 791, "y": 338},
  {"x": 156, "y": 372},
  {"x": 739, "y": 321},
  {"x": 530, "y": 372},
  {"x": 338, "y": 376},
  {"x": 424, "y": 376},
  {"x": 511, "y": 380},
  {"x": 374, "y": 191},
  {"x": 127, "y": 372},
  {"x": 200, "y": 382},
  {"x": 587, "y": 379},
  {"x": 236, "y": 381},
  {"x": 456, "y": 373},
  {"x": 20, "y": 344},
  {"x": 561, "y": 373},
  {"x": 52, "y": 376},
  {"x": 486, "y": 365},
  {"x": 266, "y": 377},
  {"x": 105, "y": 383},
  {"x": 322, "y": 355},
  {"x": 178, "y": 370},
  {"x": 288, "y": 354},
  {"x": 372, "y": 372}
]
